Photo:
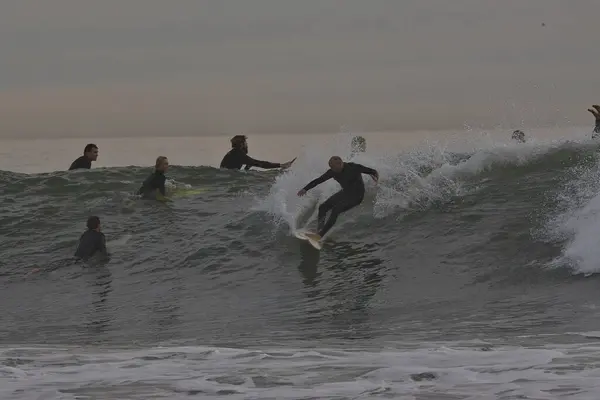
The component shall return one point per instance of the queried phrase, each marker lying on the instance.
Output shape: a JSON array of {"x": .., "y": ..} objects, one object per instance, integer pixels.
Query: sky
[{"x": 207, "y": 67}]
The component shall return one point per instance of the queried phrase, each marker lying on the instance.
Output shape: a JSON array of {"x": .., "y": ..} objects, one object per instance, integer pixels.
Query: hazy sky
[{"x": 194, "y": 67}]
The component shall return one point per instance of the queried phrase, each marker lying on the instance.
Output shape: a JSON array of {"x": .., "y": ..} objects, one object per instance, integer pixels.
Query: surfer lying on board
[
  {"x": 348, "y": 175},
  {"x": 238, "y": 156},
  {"x": 90, "y": 153},
  {"x": 155, "y": 183},
  {"x": 595, "y": 110},
  {"x": 92, "y": 242}
]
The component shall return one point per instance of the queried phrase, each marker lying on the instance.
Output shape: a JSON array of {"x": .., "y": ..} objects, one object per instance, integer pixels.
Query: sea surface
[{"x": 470, "y": 271}]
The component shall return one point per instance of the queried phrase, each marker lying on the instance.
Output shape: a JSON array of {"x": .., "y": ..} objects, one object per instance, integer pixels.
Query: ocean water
[{"x": 469, "y": 272}]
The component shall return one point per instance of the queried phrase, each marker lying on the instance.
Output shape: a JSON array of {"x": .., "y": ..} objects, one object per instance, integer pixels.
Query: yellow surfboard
[
  {"x": 178, "y": 193},
  {"x": 186, "y": 192}
]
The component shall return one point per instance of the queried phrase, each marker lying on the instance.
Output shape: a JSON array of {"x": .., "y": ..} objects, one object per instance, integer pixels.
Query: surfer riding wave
[{"x": 349, "y": 176}]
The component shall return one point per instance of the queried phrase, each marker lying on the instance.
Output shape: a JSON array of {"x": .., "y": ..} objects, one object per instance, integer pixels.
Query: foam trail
[{"x": 414, "y": 179}]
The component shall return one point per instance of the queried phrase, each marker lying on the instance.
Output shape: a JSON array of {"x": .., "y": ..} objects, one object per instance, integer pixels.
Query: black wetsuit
[
  {"x": 91, "y": 243},
  {"x": 81, "y": 163},
  {"x": 236, "y": 158},
  {"x": 155, "y": 181},
  {"x": 596, "y": 133},
  {"x": 351, "y": 195}
]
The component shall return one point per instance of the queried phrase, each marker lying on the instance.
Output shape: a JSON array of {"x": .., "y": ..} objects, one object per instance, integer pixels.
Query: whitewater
[{"x": 467, "y": 273}]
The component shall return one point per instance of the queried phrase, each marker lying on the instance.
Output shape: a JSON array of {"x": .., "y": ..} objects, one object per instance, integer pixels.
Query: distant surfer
[
  {"x": 519, "y": 136},
  {"x": 92, "y": 242},
  {"x": 595, "y": 110},
  {"x": 359, "y": 144},
  {"x": 90, "y": 153},
  {"x": 238, "y": 157},
  {"x": 155, "y": 183},
  {"x": 348, "y": 175}
]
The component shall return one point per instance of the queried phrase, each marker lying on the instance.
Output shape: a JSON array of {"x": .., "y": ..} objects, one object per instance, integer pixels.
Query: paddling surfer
[{"x": 238, "y": 157}]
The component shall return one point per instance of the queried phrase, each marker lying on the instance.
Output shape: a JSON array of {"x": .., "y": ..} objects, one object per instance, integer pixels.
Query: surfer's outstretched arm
[
  {"x": 249, "y": 161},
  {"x": 323, "y": 178},
  {"x": 368, "y": 171},
  {"x": 595, "y": 110}
]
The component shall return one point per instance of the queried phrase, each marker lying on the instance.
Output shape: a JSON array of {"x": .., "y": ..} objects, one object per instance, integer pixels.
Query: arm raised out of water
[
  {"x": 368, "y": 171},
  {"x": 595, "y": 110}
]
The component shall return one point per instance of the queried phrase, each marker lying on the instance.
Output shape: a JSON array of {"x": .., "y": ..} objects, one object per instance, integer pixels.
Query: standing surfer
[
  {"x": 238, "y": 157},
  {"x": 349, "y": 176}
]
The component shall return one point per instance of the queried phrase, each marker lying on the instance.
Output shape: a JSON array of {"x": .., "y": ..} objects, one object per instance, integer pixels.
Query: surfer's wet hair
[
  {"x": 518, "y": 135},
  {"x": 334, "y": 159},
  {"x": 89, "y": 147},
  {"x": 159, "y": 161},
  {"x": 238, "y": 140},
  {"x": 93, "y": 222}
]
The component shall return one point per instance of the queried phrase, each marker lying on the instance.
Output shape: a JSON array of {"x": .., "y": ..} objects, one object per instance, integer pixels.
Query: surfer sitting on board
[
  {"x": 156, "y": 181},
  {"x": 92, "y": 241},
  {"x": 348, "y": 175},
  {"x": 595, "y": 110},
  {"x": 90, "y": 153},
  {"x": 238, "y": 156}
]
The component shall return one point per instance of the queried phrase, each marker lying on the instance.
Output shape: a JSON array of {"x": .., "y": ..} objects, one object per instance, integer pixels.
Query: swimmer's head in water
[
  {"x": 519, "y": 136},
  {"x": 93, "y": 223},
  {"x": 336, "y": 164},
  {"x": 162, "y": 164},
  {"x": 240, "y": 142},
  {"x": 91, "y": 151},
  {"x": 359, "y": 144}
]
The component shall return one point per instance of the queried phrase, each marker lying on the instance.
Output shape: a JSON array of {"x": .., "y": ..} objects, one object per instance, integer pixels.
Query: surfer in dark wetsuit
[
  {"x": 92, "y": 242},
  {"x": 156, "y": 181},
  {"x": 595, "y": 110},
  {"x": 519, "y": 136},
  {"x": 238, "y": 157},
  {"x": 90, "y": 153},
  {"x": 349, "y": 176}
]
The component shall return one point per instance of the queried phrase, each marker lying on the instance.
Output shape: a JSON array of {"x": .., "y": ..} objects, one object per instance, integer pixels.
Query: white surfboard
[{"x": 302, "y": 235}]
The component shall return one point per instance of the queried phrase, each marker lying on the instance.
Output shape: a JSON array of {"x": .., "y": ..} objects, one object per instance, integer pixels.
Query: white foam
[
  {"x": 402, "y": 183},
  {"x": 578, "y": 222},
  {"x": 439, "y": 370}
]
